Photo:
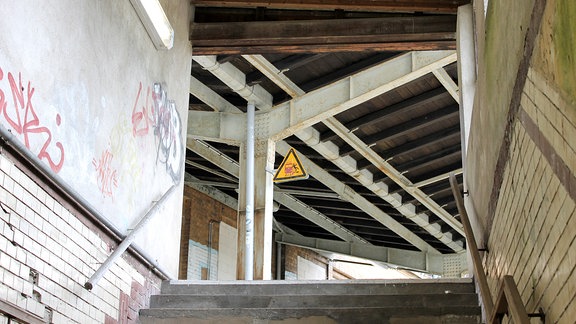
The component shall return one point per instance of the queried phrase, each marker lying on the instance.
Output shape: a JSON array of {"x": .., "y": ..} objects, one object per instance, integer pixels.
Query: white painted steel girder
[
  {"x": 418, "y": 62},
  {"x": 393, "y": 174},
  {"x": 287, "y": 200},
  {"x": 211, "y": 191},
  {"x": 316, "y": 106},
  {"x": 448, "y": 83},
  {"x": 348, "y": 194},
  {"x": 219, "y": 127},
  {"x": 204, "y": 93},
  {"x": 317, "y": 218},
  {"x": 331, "y": 152},
  {"x": 413, "y": 260},
  {"x": 236, "y": 80}
]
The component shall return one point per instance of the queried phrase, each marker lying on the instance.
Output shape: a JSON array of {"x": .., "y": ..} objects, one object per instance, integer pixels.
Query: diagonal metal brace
[{"x": 126, "y": 242}]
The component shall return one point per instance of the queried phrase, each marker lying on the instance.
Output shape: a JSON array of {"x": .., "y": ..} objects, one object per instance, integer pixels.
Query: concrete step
[
  {"x": 440, "y": 315},
  {"x": 315, "y": 287},
  {"x": 311, "y": 301},
  {"x": 315, "y": 302}
]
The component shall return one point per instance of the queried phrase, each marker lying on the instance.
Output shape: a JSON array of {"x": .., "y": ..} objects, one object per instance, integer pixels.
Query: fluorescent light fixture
[{"x": 156, "y": 23}]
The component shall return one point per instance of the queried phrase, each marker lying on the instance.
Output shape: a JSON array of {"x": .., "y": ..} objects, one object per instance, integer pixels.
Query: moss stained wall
[
  {"x": 506, "y": 26},
  {"x": 533, "y": 235},
  {"x": 555, "y": 56}
]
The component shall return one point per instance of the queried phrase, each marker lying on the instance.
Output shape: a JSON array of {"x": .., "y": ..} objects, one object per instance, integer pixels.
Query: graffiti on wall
[
  {"x": 156, "y": 115},
  {"x": 107, "y": 176},
  {"x": 21, "y": 115},
  {"x": 150, "y": 133}
]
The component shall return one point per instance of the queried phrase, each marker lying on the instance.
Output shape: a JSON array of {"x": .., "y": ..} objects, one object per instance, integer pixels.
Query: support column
[
  {"x": 466, "y": 72},
  {"x": 264, "y": 154},
  {"x": 263, "y": 205},
  {"x": 241, "y": 223}
]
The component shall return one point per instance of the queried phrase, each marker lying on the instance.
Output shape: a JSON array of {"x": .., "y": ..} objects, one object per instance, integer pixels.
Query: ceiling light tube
[{"x": 156, "y": 23}]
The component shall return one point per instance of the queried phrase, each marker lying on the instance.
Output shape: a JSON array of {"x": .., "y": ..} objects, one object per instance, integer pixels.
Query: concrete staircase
[{"x": 317, "y": 302}]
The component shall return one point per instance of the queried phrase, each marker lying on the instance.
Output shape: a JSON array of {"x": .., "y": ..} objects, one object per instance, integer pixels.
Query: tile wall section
[
  {"x": 48, "y": 252},
  {"x": 533, "y": 236}
]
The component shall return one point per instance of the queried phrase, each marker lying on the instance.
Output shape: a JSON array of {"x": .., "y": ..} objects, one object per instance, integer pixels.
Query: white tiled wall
[{"x": 39, "y": 236}]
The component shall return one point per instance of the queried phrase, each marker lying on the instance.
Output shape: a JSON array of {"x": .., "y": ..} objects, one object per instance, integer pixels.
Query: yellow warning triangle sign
[{"x": 290, "y": 169}]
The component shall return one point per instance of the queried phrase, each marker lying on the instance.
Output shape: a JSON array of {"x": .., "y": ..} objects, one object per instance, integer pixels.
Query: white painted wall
[
  {"x": 308, "y": 270},
  {"x": 74, "y": 87},
  {"x": 227, "y": 250}
]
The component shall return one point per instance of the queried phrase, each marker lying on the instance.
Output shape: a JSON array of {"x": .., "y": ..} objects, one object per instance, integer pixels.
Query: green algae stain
[{"x": 564, "y": 33}]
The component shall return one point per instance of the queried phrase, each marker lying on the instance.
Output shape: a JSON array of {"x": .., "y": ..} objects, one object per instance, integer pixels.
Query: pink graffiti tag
[
  {"x": 107, "y": 176},
  {"x": 30, "y": 123},
  {"x": 160, "y": 114},
  {"x": 140, "y": 118}
]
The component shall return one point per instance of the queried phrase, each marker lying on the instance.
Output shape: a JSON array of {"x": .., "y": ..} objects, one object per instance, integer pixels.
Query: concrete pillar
[
  {"x": 241, "y": 224},
  {"x": 263, "y": 205},
  {"x": 466, "y": 72}
]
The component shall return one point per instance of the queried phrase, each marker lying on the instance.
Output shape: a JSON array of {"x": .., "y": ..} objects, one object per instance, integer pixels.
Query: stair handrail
[{"x": 508, "y": 300}]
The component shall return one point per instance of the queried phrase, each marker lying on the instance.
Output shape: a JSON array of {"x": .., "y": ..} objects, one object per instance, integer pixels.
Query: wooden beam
[
  {"x": 321, "y": 36},
  {"x": 445, "y": 6},
  {"x": 308, "y": 49}
]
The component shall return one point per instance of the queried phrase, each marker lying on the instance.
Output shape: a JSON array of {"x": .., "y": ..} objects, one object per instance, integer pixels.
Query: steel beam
[
  {"x": 393, "y": 174},
  {"x": 448, "y": 83},
  {"x": 316, "y": 106},
  {"x": 347, "y": 164},
  {"x": 287, "y": 200},
  {"x": 413, "y": 260},
  {"x": 418, "y": 64},
  {"x": 317, "y": 218}
]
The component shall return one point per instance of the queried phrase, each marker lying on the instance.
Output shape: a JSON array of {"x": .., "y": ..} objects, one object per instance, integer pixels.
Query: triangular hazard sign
[{"x": 290, "y": 169}]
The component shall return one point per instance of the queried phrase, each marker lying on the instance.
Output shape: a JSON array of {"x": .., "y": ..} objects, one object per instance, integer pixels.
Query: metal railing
[{"x": 508, "y": 301}]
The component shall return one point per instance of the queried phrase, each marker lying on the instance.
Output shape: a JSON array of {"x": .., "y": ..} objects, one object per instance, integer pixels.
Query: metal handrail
[{"x": 508, "y": 300}]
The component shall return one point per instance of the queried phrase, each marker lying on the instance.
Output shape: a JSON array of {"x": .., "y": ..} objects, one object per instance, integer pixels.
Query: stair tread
[
  {"x": 349, "y": 287},
  {"x": 349, "y": 301},
  {"x": 236, "y": 309},
  {"x": 317, "y": 301},
  {"x": 278, "y": 313},
  {"x": 324, "y": 282}
]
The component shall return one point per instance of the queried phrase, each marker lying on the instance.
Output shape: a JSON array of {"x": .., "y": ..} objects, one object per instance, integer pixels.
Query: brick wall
[
  {"x": 48, "y": 250},
  {"x": 199, "y": 209},
  {"x": 534, "y": 230}
]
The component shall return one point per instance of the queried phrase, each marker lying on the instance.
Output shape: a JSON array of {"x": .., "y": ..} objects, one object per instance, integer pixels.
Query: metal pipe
[
  {"x": 209, "y": 248},
  {"x": 71, "y": 194},
  {"x": 278, "y": 261},
  {"x": 210, "y": 238},
  {"x": 127, "y": 241},
  {"x": 249, "y": 255}
]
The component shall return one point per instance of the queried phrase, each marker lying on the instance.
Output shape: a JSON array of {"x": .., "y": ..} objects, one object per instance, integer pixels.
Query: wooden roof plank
[{"x": 444, "y": 6}]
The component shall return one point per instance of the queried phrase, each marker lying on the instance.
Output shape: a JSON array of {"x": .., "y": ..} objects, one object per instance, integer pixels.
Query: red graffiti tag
[
  {"x": 141, "y": 119},
  {"x": 160, "y": 114},
  {"x": 107, "y": 176},
  {"x": 30, "y": 123}
]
